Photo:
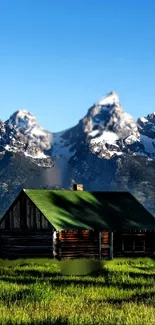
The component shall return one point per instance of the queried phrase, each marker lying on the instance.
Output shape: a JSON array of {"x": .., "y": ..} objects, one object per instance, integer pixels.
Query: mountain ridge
[{"x": 95, "y": 152}]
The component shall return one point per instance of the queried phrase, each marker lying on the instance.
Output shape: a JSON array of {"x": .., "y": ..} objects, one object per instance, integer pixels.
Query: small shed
[{"x": 76, "y": 224}]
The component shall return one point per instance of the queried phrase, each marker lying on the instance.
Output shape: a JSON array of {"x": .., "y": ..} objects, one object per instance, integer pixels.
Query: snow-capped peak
[
  {"x": 23, "y": 133},
  {"x": 26, "y": 123},
  {"x": 110, "y": 99},
  {"x": 22, "y": 119}
]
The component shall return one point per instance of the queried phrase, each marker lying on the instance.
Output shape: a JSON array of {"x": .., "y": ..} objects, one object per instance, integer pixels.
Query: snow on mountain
[
  {"x": 21, "y": 132},
  {"x": 23, "y": 121},
  {"x": 105, "y": 137},
  {"x": 109, "y": 129},
  {"x": 61, "y": 146},
  {"x": 106, "y": 150},
  {"x": 148, "y": 143},
  {"x": 110, "y": 99},
  {"x": 93, "y": 133},
  {"x": 146, "y": 127},
  {"x": 131, "y": 139},
  {"x": 40, "y": 155},
  {"x": 106, "y": 129},
  {"x": 143, "y": 119}
]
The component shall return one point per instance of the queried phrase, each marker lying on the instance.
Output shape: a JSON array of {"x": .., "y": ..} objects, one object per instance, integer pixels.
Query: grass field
[{"x": 35, "y": 292}]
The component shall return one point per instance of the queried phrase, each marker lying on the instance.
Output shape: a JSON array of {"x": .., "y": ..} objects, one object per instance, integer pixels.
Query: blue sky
[{"x": 58, "y": 57}]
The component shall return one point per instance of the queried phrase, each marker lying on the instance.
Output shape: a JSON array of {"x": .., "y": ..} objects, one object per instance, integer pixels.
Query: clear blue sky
[{"x": 58, "y": 57}]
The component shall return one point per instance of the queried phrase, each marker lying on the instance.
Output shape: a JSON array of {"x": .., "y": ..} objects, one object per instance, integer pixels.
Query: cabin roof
[{"x": 69, "y": 210}]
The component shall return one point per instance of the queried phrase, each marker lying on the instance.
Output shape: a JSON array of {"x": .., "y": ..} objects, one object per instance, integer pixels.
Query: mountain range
[{"x": 107, "y": 150}]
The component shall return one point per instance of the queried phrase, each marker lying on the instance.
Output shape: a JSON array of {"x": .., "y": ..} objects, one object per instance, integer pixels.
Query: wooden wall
[
  {"x": 105, "y": 244},
  {"x": 25, "y": 232},
  {"x": 146, "y": 239},
  {"x": 23, "y": 214},
  {"x": 81, "y": 244},
  {"x": 26, "y": 244}
]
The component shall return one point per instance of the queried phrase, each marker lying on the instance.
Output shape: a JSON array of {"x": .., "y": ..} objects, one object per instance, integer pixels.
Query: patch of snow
[
  {"x": 129, "y": 120},
  {"x": 27, "y": 122},
  {"x": 115, "y": 119},
  {"x": 143, "y": 119},
  {"x": 148, "y": 143},
  {"x": 112, "y": 153},
  {"x": 106, "y": 136},
  {"x": 23, "y": 119},
  {"x": 40, "y": 155},
  {"x": 93, "y": 133},
  {"x": 131, "y": 139},
  {"x": 119, "y": 153},
  {"x": 60, "y": 146},
  {"x": 11, "y": 148},
  {"x": 7, "y": 147},
  {"x": 37, "y": 131},
  {"x": 115, "y": 145},
  {"x": 110, "y": 99}
]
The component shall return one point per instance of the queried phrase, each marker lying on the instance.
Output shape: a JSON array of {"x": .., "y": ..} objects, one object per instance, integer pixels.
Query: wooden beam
[
  {"x": 23, "y": 212},
  {"x": 99, "y": 244},
  {"x": 55, "y": 244},
  {"x": 111, "y": 245},
  {"x": 58, "y": 246}
]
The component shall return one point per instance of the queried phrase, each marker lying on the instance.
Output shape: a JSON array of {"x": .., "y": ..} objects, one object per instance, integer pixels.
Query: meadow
[{"x": 35, "y": 292}]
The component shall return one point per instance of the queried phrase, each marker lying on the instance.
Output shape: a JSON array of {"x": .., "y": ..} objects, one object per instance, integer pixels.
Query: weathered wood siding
[
  {"x": 23, "y": 214},
  {"x": 24, "y": 231},
  {"x": 82, "y": 244},
  {"x": 26, "y": 244},
  {"x": 105, "y": 244},
  {"x": 144, "y": 240}
]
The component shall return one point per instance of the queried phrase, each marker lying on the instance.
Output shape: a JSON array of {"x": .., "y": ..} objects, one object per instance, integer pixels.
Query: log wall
[
  {"x": 82, "y": 244},
  {"x": 147, "y": 237},
  {"x": 26, "y": 244},
  {"x": 105, "y": 244},
  {"x": 25, "y": 232}
]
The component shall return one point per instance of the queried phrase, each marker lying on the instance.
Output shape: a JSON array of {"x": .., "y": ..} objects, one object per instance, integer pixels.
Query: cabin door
[{"x": 133, "y": 243}]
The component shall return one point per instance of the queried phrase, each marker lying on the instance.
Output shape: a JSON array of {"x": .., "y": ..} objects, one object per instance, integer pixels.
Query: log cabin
[{"x": 76, "y": 224}]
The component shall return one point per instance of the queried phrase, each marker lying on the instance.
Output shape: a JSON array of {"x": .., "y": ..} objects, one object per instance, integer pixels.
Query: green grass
[{"x": 35, "y": 292}]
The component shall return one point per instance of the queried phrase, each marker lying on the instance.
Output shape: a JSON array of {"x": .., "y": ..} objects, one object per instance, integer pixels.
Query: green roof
[{"x": 69, "y": 210}]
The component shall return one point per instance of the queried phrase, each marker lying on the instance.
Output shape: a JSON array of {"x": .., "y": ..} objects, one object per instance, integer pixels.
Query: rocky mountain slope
[{"x": 106, "y": 150}]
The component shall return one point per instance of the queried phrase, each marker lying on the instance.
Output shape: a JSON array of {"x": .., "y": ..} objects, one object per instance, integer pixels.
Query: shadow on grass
[
  {"x": 110, "y": 279},
  {"x": 36, "y": 273},
  {"x": 147, "y": 268},
  {"x": 146, "y": 298},
  {"x": 144, "y": 275},
  {"x": 24, "y": 281},
  {"x": 17, "y": 297},
  {"x": 58, "y": 321},
  {"x": 105, "y": 273}
]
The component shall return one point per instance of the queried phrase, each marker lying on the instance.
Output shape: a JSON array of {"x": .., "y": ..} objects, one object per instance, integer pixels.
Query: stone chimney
[{"x": 77, "y": 187}]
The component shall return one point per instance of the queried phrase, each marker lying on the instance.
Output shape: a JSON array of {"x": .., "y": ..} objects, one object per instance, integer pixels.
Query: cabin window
[{"x": 133, "y": 243}]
